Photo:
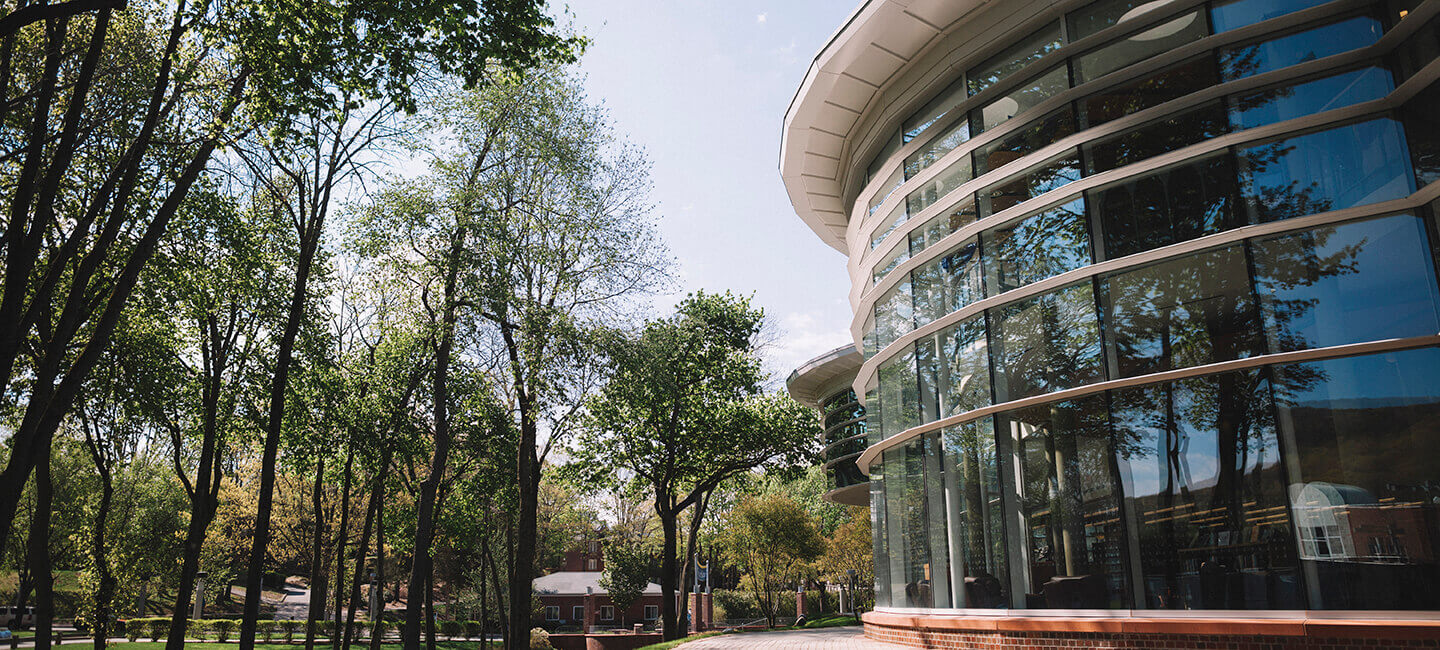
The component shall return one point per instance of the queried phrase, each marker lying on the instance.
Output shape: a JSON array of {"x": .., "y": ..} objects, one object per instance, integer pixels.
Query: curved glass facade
[
  {"x": 1152, "y": 318},
  {"x": 844, "y": 420}
]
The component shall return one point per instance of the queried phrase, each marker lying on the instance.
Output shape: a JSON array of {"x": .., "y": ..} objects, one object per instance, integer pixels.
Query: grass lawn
[
  {"x": 671, "y": 644},
  {"x": 146, "y": 645}
]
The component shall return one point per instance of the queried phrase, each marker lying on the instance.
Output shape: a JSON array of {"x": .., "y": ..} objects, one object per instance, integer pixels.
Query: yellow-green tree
[{"x": 771, "y": 538}]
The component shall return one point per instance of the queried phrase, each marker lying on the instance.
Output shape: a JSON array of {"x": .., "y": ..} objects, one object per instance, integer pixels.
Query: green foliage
[
  {"x": 540, "y": 639},
  {"x": 451, "y": 629},
  {"x": 134, "y": 629},
  {"x": 267, "y": 629},
  {"x": 290, "y": 626},
  {"x": 769, "y": 536},
  {"x": 156, "y": 627},
  {"x": 627, "y": 573},
  {"x": 733, "y": 605},
  {"x": 473, "y": 629},
  {"x": 223, "y": 628}
]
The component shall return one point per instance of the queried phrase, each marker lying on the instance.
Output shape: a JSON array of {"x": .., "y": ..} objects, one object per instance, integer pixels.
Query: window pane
[
  {"x": 1014, "y": 58},
  {"x": 1023, "y": 98},
  {"x": 964, "y": 373},
  {"x": 1356, "y": 282},
  {"x": 916, "y": 512},
  {"x": 1226, "y": 16},
  {"x": 1206, "y": 487},
  {"x": 948, "y": 283},
  {"x": 1046, "y": 343},
  {"x": 846, "y": 474},
  {"x": 1036, "y": 247},
  {"x": 1180, "y": 313},
  {"x": 1422, "y": 128},
  {"x": 1052, "y": 175},
  {"x": 944, "y": 143},
  {"x": 899, "y": 393},
  {"x": 892, "y": 145},
  {"x": 935, "y": 189},
  {"x": 977, "y": 524},
  {"x": 891, "y": 184},
  {"x": 942, "y": 226},
  {"x": 879, "y": 535},
  {"x": 1027, "y": 140},
  {"x": 1164, "y": 37},
  {"x": 1420, "y": 49},
  {"x": 1318, "y": 43},
  {"x": 1092, "y": 18},
  {"x": 893, "y": 259},
  {"x": 1069, "y": 505},
  {"x": 1366, "y": 431},
  {"x": 1167, "y": 207},
  {"x": 1163, "y": 136},
  {"x": 934, "y": 111},
  {"x": 894, "y": 314},
  {"x": 892, "y": 221},
  {"x": 1352, "y": 165},
  {"x": 1160, "y": 87},
  {"x": 1317, "y": 96}
]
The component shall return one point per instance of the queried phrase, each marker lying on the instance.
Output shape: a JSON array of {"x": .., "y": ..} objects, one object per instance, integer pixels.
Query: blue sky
[{"x": 703, "y": 85}]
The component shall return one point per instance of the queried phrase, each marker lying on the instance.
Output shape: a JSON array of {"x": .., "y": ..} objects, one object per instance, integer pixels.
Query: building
[
  {"x": 572, "y": 598},
  {"x": 1146, "y": 299},
  {"x": 824, "y": 384}
]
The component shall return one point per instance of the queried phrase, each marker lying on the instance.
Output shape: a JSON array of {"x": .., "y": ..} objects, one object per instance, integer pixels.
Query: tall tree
[{"x": 683, "y": 413}]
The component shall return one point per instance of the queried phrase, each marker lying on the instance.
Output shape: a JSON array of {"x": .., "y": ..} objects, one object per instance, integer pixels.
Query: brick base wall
[{"x": 995, "y": 633}]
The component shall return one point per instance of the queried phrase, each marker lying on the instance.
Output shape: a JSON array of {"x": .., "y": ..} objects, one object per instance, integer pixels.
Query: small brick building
[{"x": 576, "y": 599}]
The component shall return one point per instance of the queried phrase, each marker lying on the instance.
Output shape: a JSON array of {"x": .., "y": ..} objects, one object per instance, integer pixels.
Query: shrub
[
  {"x": 266, "y": 630},
  {"x": 734, "y": 604},
  {"x": 327, "y": 629},
  {"x": 450, "y": 628},
  {"x": 289, "y": 626},
  {"x": 472, "y": 629},
  {"x": 195, "y": 629},
  {"x": 133, "y": 629},
  {"x": 156, "y": 628},
  {"x": 540, "y": 639},
  {"x": 223, "y": 629},
  {"x": 381, "y": 629}
]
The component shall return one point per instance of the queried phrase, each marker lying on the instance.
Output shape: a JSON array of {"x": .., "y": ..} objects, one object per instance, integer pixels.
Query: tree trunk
[
  {"x": 40, "y": 551},
  {"x": 360, "y": 549},
  {"x": 377, "y": 632},
  {"x": 429, "y": 605},
  {"x": 524, "y": 565},
  {"x": 340, "y": 543},
  {"x": 105, "y": 591},
  {"x": 278, "y": 387},
  {"x": 319, "y": 582},
  {"x": 668, "y": 570}
]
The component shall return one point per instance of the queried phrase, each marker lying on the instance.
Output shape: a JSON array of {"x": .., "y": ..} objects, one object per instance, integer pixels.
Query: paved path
[
  {"x": 295, "y": 605},
  {"x": 834, "y": 638}
]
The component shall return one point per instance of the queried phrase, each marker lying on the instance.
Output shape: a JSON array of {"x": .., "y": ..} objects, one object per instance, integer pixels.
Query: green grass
[
  {"x": 146, "y": 645},
  {"x": 831, "y": 621}
]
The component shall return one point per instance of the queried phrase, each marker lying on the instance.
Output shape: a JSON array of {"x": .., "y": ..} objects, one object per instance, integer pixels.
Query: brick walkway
[{"x": 835, "y": 638}]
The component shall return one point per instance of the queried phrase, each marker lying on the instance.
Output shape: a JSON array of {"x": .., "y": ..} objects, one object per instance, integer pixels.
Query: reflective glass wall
[
  {"x": 1204, "y": 380},
  {"x": 845, "y": 437}
]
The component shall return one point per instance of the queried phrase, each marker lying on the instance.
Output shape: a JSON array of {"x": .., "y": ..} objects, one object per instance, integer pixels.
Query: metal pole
[{"x": 199, "y": 608}]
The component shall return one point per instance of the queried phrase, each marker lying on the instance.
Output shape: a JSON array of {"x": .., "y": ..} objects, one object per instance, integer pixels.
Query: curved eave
[
  {"x": 845, "y": 80},
  {"x": 822, "y": 376},
  {"x": 850, "y": 495}
]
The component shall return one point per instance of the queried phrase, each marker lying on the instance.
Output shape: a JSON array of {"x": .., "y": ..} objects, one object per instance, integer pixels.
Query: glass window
[
  {"x": 1047, "y": 343},
  {"x": 880, "y": 535},
  {"x": 1206, "y": 490},
  {"x": 874, "y": 422},
  {"x": 942, "y": 226},
  {"x": 850, "y": 412},
  {"x": 1069, "y": 505},
  {"x": 1049, "y": 176},
  {"x": 1317, "y": 43},
  {"x": 1164, "y": 37},
  {"x": 1160, "y": 87},
  {"x": 948, "y": 282},
  {"x": 977, "y": 524},
  {"x": 915, "y": 505},
  {"x": 1014, "y": 58},
  {"x": 962, "y": 375},
  {"x": 1027, "y": 96},
  {"x": 894, "y": 314},
  {"x": 899, "y": 393},
  {"x": 847, "y": 474},
  {"x": 894, "y": 258},
  {"x": 956, "y": 135},
  {"x": 1422, "y": 128},
  {"x": 1235, "y": 14},
  {"x": 891, "y": 184},
  {"x": 934, "y": 111},
  {"x": 1029, "y": 139},
  {"x": 845, "y": 448},
  {"x": 1166, "y": 207},
  {"x": 934, "y": 190},
  {"x": 1361, "y": 281},
  {"x": 1365, "y": 477},
  {"x": 1419, "y": 49},
  {"x": 891, "y": 221},
  {"x": 1310, "y": 97},
  {"x": 1162, "y": 136},
  {"x": 1343, "y": 167},
  {"x": 1092, "y": 18},
  {"x": 1180, "y": 313},
  {"x": 1036, "y": 247}
]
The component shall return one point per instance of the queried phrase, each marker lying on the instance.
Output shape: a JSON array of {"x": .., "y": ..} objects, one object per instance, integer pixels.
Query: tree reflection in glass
[
  {"x": 977, "y": 542},
  {"x": 1206, "y": 493},
  {"x": 1046, "y": 343},
  {"x": 1180, "y": 313},
  {"x": 1346, "y": 166},
  {"x": 1037, "y": 247},
  {"x": 1167, "y": 207},
  {"x": 1069, "y": 502}
]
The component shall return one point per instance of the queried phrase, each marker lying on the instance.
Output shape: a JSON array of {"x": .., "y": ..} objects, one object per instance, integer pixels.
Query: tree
[
  {"x": 850, "y": 548},
  {"x": 683, "y": 413},
  {"x": 627, "y": 574},
  {"x": 769, "y": 536}
]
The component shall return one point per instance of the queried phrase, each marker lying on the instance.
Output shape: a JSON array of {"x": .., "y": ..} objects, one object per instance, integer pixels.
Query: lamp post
[
  {"x": 853, "y": 609},
  {"x": 199, "y": 596}
]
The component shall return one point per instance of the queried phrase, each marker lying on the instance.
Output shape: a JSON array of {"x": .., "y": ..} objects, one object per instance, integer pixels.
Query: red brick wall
[
  {"x": 636, "y": 613},
  {"x": 941, "y": 631}
]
